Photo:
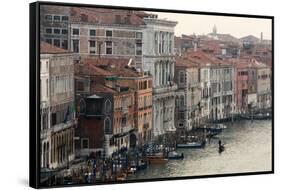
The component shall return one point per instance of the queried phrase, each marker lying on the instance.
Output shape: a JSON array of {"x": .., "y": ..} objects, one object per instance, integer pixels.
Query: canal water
[{"x": 247, "y": 149}]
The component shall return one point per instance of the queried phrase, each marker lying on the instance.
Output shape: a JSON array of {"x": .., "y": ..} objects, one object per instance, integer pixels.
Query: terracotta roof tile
[
  {"x": 100, "y": 88},
  {"x": 90, "y": 70},
  {"x": 182, "y": 62},
  {"x": 202, "y": 59},
  {"x": 105, "y": 16},
  {"x": 46, "y": 48},
  {"x": 247, "y": 63},
  {"x": 115, "y": 66}
]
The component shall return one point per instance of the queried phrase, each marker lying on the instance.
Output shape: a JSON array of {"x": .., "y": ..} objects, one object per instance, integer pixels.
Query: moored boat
[
  {"x": 199, "y": 144},
  {"x": 257, "y": 116},
  {"x": 121, "y": 177},
  {"x": 142, "y": 165},
  {"x": 175, "y": 156},
  {"x": 157, "y": 159},
  {"x": 213, "y": 129}
]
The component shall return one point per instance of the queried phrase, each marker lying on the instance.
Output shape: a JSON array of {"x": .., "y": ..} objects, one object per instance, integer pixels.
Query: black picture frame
[{"x": 34, "y": 91}]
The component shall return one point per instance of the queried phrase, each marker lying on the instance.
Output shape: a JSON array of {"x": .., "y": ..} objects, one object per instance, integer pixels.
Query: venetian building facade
[
  {"x": 188, "y": 95},
  {"x": 158, "y": 59},
  {"x": 56, "y": 107},
  {"x": 263, "y": 85},
  {"x": 141, "y": 84},
  {"x": 222, "y": 91},
  {"x": 217, "y": 82},
  {"x": 127, "y": 75},
  {"x": 55, "y": 25},
  {"x": 109, "y": 33}
]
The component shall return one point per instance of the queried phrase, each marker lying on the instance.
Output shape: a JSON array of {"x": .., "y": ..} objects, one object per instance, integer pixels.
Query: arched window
[
  {"x": 107, "y": 106},
  {"x": 82, "y": 106},
  {"x": 107, "y": 126}
]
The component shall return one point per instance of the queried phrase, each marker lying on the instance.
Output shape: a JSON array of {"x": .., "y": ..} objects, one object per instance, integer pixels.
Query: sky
[{"x": 203, "y": 24}]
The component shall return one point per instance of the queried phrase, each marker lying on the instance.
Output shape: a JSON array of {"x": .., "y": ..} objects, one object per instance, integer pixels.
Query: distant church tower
[{"x": 215, "y": 30}]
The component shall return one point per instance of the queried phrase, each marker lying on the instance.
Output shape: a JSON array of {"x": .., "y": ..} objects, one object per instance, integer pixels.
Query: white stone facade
[
  {"x": 56, "y": 117},
  {"x": 217, "y": 90},
  {"x": 158, "y": 59}
]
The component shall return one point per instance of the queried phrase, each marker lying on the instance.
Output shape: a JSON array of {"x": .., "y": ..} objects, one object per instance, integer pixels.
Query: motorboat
[
  {"x": 175, "y": 156},
  {"x": 196, "y": 144},
  {"x": 157, "y": 158}
]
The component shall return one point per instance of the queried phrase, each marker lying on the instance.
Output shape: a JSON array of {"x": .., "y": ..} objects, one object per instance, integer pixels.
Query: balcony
[
  {"x": 166, "y": 88},
  {"x": 56, "y": 128}
]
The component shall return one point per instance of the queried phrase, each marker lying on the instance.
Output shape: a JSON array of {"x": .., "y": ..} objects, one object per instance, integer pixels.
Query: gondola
[{"x": 221, "y": 148}]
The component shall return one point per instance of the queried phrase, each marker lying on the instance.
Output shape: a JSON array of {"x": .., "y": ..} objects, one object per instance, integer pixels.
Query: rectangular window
[
  {"x": 181, "y": 77},
  {"x": 57, "y": 31},
  {"x": 64, "y": 44},
  {"x": 138, "y": 35},
  {"x": 145, "y": 101},
  {"x": 48, "y": 40},
  {"x": 47, "y": 87},
  {"x": 56, "y": 18},
  {"x": 45, "y": 121},
  {"x": 138, "y": 47},
  {"x": 48, "y": 17},
  {"x": 108, "y": 47},
  {"x": 75, "y": 31},
  {"x": 54, "y": 119},
  {"x": 48, "y": 30},
  {"x": 124, "y": 121},
  {"x": 64, "y": 31},
  {"x": 108, "y": 33},
  {"x": 85, "y": 143},
  {"x": 156, "y": 42},
  {"x": 75, "y": 46},
  {"x": 92, "y": 32},
  {"x": 145, "y": 84},
  {"x": 57, "y": 42},
  {"x": 64, "y": 18},
  {"x": 92, "y": 47},
  {"x": 79, "y": 85}
]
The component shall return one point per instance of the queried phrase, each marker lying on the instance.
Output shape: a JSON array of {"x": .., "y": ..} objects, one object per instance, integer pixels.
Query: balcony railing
[
  {"x": 162, "y": 89},
  {"x": 56, "y": 128}
]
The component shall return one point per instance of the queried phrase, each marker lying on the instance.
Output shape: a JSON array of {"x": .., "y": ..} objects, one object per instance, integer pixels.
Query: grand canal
[{"x": 247, "y": 149}]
